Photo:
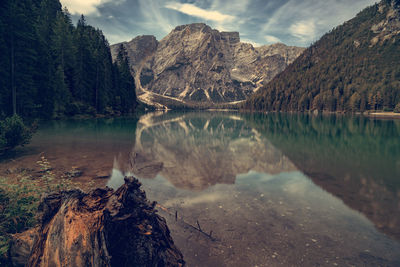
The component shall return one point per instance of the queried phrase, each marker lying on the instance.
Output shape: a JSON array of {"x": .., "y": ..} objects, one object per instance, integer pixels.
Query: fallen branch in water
[{"x": 198, "y": 228}]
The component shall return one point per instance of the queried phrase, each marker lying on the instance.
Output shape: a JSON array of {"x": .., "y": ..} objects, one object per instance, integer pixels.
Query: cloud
[
  {"x": 304, "y": 30},
  {"x": 292, "y": 22},
  {"x": 155, "y": 18},
  {"x": 234, "y": 6},
  {"x": 272, "y": 39},
  {"x": 192, "y": 10},
  {"x": 255, "y": 44},
  {"x": 203, "y": 198},
  {"x": 83, "y": 6},
  {"x": 301, "y": 22}
]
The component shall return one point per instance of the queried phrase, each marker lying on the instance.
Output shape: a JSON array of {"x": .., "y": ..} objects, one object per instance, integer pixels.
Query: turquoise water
[{"x": 275, "y": 190}]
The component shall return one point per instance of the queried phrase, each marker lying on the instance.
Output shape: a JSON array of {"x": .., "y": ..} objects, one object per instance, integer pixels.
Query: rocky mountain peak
[
  {"x": 195, "y": 63},
  {"x": 194, "y": 27}
]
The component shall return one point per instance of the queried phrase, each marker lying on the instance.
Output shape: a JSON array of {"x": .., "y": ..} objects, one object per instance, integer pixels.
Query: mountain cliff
[
  {"x": 354, "y": 67},
  {"x": 195, "y": 63}
]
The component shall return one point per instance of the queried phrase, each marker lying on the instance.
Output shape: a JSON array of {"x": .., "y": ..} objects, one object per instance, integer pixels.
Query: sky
[{"x": 293, "y": 22}]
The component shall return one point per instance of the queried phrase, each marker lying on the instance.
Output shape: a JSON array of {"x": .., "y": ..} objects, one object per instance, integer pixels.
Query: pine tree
[
  {"x": 63, "y": 56},
  {"x": 82, "y": 59},
  {"x": 127, "y": 88},
  {"x": 4, "y": 62},
  {"x": 45, "y": 29},
  {"x": 22, "y": 43}
]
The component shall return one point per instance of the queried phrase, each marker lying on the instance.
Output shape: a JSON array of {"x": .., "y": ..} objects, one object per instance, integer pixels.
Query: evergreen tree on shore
[
  {"x": 354, "y": 67},
  {"x": 125, "y": 83},
  {"x": 50, "y": 68}
]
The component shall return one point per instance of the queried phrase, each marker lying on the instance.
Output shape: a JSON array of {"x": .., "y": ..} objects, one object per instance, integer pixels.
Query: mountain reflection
[{"x": 196, "y": 150}]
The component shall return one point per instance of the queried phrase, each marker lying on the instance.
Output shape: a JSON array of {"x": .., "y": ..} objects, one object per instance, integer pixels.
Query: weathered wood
[{"x": 102, "y": 228}]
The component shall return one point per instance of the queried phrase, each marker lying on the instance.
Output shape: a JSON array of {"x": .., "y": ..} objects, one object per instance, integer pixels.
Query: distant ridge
[{"x": 354, "y": 67}]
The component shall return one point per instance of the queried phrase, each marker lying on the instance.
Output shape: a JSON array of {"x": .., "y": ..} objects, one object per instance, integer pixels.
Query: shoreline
[
  {"x": 368, "y": 114},
  {"x": 384, "y": 115}
]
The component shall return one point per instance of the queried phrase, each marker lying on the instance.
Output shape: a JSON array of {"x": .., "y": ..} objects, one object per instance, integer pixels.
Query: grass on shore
[{"x": 20, "y": 195}]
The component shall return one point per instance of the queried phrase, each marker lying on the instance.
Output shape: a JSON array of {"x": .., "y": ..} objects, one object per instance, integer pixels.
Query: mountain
[
  {"x": 354, "y": 67},
  {"x": 195, "y": 63}
]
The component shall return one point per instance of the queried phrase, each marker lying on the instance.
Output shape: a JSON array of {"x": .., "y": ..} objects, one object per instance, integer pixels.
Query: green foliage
[
  {"x": 19, "y": 204},
  {"x": 79, "y": 108},
  {"x": 19, "y": 200},
  {"x": 397, "y": 108},
  {"x": 125, "y": 100},
  {"x": 13, "y": 133},
  {"x": 343, "y": 71},
  {"x": 46, "y": 63}
]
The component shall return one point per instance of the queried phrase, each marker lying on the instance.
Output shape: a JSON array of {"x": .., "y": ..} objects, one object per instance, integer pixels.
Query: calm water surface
[{"x": 273, "y": 190}]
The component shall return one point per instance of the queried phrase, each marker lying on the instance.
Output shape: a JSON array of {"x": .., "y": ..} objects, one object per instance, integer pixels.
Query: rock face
[
  {"x": 389, "y": 27},
  {"x": 102, "y": 228},
  {"x": 195, "y": 63}
]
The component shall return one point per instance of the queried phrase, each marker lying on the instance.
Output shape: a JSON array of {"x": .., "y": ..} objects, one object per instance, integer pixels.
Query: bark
[{"x": 101, "y": 228}]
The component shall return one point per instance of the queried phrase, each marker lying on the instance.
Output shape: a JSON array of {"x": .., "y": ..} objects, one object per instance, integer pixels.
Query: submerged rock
[{"x": 101, "y": 228}]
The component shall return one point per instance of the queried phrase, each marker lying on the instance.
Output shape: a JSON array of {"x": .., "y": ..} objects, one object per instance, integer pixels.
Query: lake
[{"x": 245, "y": 189}]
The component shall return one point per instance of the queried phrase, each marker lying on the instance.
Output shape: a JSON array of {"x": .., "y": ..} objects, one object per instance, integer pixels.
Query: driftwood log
[{"x": 101, "y": 228}]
